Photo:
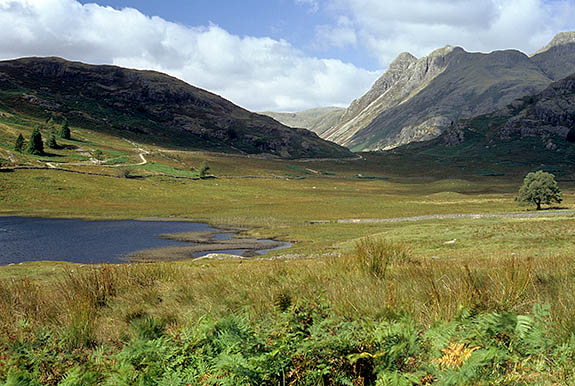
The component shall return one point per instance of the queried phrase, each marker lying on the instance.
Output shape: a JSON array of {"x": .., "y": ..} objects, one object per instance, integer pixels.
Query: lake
[{"x": 88, "y": 242}]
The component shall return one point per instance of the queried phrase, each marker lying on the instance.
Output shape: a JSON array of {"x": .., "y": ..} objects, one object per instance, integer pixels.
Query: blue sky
[{"x": 280, "y": 55}]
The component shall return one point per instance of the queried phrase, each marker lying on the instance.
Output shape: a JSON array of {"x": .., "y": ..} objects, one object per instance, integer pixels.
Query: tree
[
  {"x": 204, "y": 168},
  {"x": 35, "y": 145},
  {"x": 539, "y": 188},
  {"x": 19, "y": 144},
  {"x": 51, "y": 142},
  {"x": 65, "y": 130}
]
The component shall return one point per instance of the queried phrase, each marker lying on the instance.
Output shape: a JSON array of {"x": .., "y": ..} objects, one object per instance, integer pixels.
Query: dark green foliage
[
  {"x": 35, "y": 145},
  {"x": 51, "y": 142},
  {"x": 305, "y": 346},
  {"x": 539, "y": 188},
  {"x": 19, "y": 144},
  {"x": 204, "y": 169},
  {"x": 65, "y": 130}
]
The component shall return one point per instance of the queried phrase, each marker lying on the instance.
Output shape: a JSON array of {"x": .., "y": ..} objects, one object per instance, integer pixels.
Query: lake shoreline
[{"x": 177, "y": 245}]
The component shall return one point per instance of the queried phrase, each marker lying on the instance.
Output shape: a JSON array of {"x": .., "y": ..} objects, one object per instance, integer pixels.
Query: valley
[{"x": 409, "y": 266}]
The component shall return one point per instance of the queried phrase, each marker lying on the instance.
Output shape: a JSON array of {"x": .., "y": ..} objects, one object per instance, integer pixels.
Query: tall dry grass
[{"x": 378, "y": 280}]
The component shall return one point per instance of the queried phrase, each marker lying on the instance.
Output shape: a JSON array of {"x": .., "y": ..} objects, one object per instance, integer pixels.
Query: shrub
[
  {"x": 204, "y": 169},
  {"x": 125, "y": 172},
  {"x": 98, "y": 155}
]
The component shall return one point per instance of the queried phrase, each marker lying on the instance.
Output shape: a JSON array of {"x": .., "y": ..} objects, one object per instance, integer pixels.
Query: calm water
[{"x": 89, "y": 242}]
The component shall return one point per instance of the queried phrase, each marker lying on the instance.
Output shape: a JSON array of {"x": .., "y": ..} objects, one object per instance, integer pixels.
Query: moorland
[{"x": 446, "y": 301}]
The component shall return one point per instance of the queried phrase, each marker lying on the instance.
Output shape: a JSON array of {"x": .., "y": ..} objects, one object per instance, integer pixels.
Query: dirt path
[
  {"x": 544, "y": 213},
  {"x": 94, "y": 162}
]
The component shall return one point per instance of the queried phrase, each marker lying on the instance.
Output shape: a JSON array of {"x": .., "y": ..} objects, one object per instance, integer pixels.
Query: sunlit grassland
[
  {"x": 54, "y": 315},
  {"x": 314, "y": 314}
]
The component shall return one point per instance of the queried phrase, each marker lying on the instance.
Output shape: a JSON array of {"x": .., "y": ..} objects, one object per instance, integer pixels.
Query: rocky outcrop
[
  {"x": 548, "y": 114},
  {"x": 150, "y": 107}
]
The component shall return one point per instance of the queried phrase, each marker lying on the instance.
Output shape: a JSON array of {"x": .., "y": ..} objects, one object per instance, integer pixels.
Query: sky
[{"x": 273, "y": 55}]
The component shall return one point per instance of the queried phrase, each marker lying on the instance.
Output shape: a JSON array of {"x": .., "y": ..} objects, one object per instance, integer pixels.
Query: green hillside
[{"x": 148, "y": 107}]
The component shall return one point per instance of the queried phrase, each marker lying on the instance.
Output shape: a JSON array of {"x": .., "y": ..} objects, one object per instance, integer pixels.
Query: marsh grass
[
  {"x": 90, "y": 309},
  {"x": 376, "y": 256}
]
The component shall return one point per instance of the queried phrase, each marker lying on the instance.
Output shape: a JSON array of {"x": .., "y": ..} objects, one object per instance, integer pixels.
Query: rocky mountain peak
[
  {"x": 444, "y": 51},
  {"x": 562, "y": 38},
  {"x": 402, "y": 61}
]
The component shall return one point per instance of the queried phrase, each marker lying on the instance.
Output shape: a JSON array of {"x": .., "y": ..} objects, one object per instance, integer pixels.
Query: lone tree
[
  {"x": 36, "y": 146},
  {"x": 19, "y": 144},
  {"x": 65, "y": 130},
  {"x": 539, "y": 188}
]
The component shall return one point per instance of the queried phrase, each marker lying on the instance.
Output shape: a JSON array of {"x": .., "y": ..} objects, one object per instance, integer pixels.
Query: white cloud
[
  {"x": 388, "y": 27},
  {"x": 257, "y": 73},
  {"x": 339, "y": 36}
]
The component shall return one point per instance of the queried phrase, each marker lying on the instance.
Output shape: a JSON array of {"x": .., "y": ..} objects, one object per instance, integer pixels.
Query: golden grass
[{"x": 96, "y": 304}]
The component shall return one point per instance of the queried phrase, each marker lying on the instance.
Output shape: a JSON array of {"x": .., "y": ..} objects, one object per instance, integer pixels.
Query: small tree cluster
[{"x": 539, "y": 188}]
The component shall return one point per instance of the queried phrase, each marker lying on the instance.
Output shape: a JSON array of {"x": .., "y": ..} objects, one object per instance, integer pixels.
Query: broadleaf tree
[{"x": 539, "y": 188}]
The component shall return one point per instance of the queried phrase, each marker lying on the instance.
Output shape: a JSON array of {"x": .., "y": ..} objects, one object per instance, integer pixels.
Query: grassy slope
[{"x": 148, "y": 107}]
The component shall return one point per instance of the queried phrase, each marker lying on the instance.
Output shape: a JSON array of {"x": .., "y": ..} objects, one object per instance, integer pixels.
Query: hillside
[
  {"x": 317, "y": 120},
  {"x": 534, "y": 130},
  {"x": 557, "y": 59},
  {"x": 148, "y": 107},
  {"x": 416, "y": 98}
]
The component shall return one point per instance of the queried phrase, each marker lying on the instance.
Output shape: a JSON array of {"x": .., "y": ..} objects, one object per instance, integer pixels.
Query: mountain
[
  {"x": 536, "y": 130},
  {"x": 557, "y": 59},
  {"x": 415, "y": 99},
  {"x": 317, "y": 120},
  {"x": 149, "y": 107}
]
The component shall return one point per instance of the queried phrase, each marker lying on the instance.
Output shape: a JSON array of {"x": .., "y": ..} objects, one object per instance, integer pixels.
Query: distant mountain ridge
[
  {"x": 417, "y": 99},
  {"x": 149, "y": 107},
  {"x": 317, "y": 120}
]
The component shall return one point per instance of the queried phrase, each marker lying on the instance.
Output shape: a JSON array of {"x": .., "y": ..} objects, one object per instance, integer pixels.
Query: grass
[
  {"x": 459, "y": 301},
  {"x": 304, "y": 321}
]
